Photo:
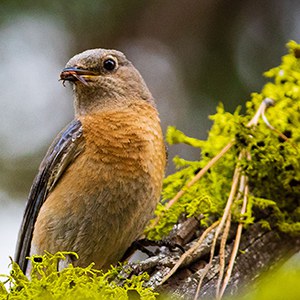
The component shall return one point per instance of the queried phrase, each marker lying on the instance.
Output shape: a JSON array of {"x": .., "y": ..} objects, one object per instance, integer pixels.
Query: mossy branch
[{"x": 254, "y": 151}]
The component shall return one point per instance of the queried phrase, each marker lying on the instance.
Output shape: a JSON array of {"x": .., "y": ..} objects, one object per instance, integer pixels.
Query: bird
[{"x": 101, "y": 179}]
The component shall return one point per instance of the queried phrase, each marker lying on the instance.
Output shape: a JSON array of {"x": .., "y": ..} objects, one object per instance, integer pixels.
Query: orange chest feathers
[{"x": 128, "y": 142}]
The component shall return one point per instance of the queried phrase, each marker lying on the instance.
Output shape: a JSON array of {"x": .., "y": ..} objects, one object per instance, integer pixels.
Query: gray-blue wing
[{"x": 65, "y": 148}]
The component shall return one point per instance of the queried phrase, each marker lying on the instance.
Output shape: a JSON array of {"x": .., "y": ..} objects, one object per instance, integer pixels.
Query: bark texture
[{"x": 260, "y": 250}]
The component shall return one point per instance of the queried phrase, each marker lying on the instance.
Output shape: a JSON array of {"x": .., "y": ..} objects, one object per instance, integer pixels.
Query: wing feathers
[{"x": 64, "y": 149}]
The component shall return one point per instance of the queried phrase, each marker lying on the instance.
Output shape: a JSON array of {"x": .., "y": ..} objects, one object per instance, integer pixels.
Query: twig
[
  {"x": 243, "y": 189},
  {"x": 284, "y": 137},
  {"x": 266, "y": 103},
  {"x": 194, "y": 180},
  {"x": 190, "y": 251},
  {"x": 203, "y": 274},
  {"x": 225, "y": 234},
  {"x": 200, "y": 174},
  {"x": 227, "y": 210},
  {"x": 236, "y": 242},
  {"x": 205, "y": 270},
  {"x": 222, "y": 255}
]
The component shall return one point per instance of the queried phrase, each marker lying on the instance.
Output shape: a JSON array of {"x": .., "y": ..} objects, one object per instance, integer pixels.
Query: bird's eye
[{"x": 109, "y": 64}]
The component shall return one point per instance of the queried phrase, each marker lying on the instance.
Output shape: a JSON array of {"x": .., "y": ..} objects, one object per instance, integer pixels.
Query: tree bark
[{"x": 260, "y": 250}]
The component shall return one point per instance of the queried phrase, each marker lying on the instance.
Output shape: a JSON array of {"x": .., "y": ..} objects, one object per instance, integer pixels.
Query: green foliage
[
  {"x": 72, "y": 282},
  {"x": 273, "y": 170}
]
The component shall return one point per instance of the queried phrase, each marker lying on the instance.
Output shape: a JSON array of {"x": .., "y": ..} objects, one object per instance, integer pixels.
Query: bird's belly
[{"x": 97, "y": 210}]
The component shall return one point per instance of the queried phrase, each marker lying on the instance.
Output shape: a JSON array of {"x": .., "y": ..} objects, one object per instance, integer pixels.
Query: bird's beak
[{"x": 75, "y": 74}]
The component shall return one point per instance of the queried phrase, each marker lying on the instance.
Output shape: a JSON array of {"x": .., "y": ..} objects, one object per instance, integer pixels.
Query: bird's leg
[{"x": 143, "y": 243}]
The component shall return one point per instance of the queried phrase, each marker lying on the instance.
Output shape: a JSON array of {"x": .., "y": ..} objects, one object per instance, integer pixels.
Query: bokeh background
[{"x": 193, "y": 54}]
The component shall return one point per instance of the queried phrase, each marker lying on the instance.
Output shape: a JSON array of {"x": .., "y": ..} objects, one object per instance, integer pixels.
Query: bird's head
[{"x": 104, "y": 78}]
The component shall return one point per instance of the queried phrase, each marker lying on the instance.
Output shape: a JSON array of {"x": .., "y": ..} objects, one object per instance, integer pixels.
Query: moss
[
  {"x": 72, "y": 282},
  {"x": 273, "y": 170}
]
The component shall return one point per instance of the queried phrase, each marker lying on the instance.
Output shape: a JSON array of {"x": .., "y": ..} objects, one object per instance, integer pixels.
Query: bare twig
[
  {"x": 200, "y": 174},
  {"x": 220, "y": 226},
  {"x": 284, "y": 137},
  {"x": 236, "y": 242},
  {"x": 194, "y": 180},
  {"x": 222, "y": 255},
  {"x": 243, "y": 189},
  {"x": 190, "y": 251},
  {"x": 227, "y": 209},
  {"x": 205, "y": 271},
  {"x": 266, "y": 103}
]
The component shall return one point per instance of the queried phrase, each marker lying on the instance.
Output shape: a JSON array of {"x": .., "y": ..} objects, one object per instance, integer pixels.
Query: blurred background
[{"x": 193, "y": 54}]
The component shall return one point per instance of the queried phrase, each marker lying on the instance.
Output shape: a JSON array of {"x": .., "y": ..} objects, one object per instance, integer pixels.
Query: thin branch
[
  {"x": 237, "y": 240},
  {"x": 284, "y": 137},
  {"x": 203, "y": 274},
  {"x": 222, "y": 255},
  {"x": 266, "y": 103},
  {"x": 232, "y": 194},
  {"x": 200, "y": 174},
  {"x": 205, "y": 271},
  {"x": 190, "y": 251},
  {"x": 227, "y": 210},
  {"x": 223, "y": 241},
  {"x": 194, "y": 180}
]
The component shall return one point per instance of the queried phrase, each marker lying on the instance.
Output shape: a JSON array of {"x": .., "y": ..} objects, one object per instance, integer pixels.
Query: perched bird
[{"x": 101, "y": 179}]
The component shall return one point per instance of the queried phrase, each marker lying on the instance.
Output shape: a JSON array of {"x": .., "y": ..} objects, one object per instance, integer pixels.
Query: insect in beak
[{"x": 75, "y": 74}]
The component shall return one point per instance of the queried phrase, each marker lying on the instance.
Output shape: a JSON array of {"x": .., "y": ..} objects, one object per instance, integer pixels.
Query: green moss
[
  {"x": 274, "y": 168},
  {"x": 72, "y": 282}
]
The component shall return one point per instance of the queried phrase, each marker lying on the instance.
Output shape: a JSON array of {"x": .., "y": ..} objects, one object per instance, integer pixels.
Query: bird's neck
[{"x": 92, "y": 102}]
